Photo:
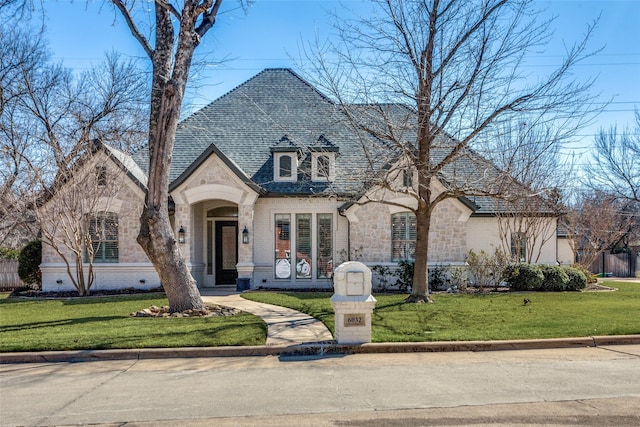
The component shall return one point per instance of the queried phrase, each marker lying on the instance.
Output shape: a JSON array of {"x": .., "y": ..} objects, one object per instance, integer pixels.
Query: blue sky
[{"x": 270, "y": 33}]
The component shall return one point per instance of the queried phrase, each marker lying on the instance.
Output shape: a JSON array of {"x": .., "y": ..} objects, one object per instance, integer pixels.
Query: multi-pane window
[
  {"x": 311, "y": 235},
  {"x": 403, "y": 236},
  {"x": 303, "y": 246},
  {"x": 519, "y": 246},
  {"x": 282, "y": 246},
  {"x": 325, "y": 246},
  {"x": 103, "y": 235}
]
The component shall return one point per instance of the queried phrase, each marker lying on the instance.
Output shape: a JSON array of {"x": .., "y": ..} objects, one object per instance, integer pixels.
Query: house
[{"x": 264, "y": 187}]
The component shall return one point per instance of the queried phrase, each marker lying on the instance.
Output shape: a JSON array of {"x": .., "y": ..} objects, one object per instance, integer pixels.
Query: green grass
[
  {"x": 104, "y": 323},
  {"x": 456, "y": 317}
]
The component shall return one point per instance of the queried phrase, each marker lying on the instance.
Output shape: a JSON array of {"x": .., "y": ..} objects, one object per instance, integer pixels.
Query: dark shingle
[{"x": 277, "y": 110}]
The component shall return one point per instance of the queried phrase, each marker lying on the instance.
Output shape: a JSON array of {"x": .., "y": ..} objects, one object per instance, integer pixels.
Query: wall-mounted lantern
[
  {"x": 245, "y": 235},
  {"x": 181, "y": 234}
]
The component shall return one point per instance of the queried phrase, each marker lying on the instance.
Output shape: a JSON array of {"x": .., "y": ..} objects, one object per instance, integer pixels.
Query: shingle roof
[
  {"x": 247, "y": 122},
  {"x": 277, "y": 110}
]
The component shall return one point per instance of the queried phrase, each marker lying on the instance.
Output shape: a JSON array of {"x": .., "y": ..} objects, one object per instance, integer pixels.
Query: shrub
[
  {"x": 383, "y": 274},
  {"x": 523, "y": 277},
  {"x": 577, "y": 279},
  {"x": 591, "y": 278},
  {"x": 404, "y": 273},
  {"x": 487, "y": 269},
  {"x": 29, "y": 263},
  {"x": 438, "y": 278},
  {"x": 555, "y": 278}
]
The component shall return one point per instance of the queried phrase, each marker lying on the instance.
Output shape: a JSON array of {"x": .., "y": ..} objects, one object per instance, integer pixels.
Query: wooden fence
[
  {"x": 616, "y": 265},
  {"x": 9, "y": 278}
]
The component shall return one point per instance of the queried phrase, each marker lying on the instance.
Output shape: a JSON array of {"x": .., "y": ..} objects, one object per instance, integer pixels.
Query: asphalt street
[{"x": 574, "y": 386}]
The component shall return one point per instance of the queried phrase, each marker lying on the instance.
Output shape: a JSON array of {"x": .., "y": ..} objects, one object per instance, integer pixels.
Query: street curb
[{"x": 313, "y": 349}]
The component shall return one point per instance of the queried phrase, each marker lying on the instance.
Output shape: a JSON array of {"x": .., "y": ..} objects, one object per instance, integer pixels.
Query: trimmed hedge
[
  {"x": 577, "y": 279},
  {"x": 555, "y": 279},
  {"x": 523, "y": 277},
  {"x": 544, "y": 278}
]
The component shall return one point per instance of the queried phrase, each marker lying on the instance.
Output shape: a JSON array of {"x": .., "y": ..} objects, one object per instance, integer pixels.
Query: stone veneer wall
[
  {"x": 133, "y": 268},
  {"x": 372, "y": 233}
]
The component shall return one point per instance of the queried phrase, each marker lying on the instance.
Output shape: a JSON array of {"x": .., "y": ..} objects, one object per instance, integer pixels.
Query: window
[
  {"x": 303, "y": 246},
  {"x": 519, "y": 246},
  {"x": 103, "y": 235},
  {"x": 325, "y": 246},
  {"x": 323, "y": 166},
  {"x": 403, "y": 236},
  {"x": 282, "y": 246},
  {"x": 311, "y": 236},
  {"x": 407, "y": 178},
  {"x": 101, "y": 175},
  {"x": 285, "y": 166}
]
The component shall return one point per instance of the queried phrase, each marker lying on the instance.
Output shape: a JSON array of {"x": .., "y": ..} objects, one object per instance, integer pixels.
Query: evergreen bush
[
  {"x": 29, "y": 262},
  {"x": 577, "y": 279},
  {"x": 523, "y": 277},
  {"x": 555, "y": 279}
]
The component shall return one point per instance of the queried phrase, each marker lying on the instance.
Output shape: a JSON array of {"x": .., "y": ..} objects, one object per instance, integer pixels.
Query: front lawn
[
  {"x": 459, "y": 317},
  {"x": 103, "y": 323}
]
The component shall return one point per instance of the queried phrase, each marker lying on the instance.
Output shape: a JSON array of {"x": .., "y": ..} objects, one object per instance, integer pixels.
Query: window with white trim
[
  {"x": 310, "y": 236},
  {"x": 285, "y": 166},
  {"x": 519, "y": 246},
  {"x": 323, "y": 166},
  {"x": 103, "y": 237},
  {"x": 403, "y": 236}
]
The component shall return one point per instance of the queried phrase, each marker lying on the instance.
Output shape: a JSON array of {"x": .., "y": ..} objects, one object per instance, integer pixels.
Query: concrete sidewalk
[{"x": 286, "y": 326}]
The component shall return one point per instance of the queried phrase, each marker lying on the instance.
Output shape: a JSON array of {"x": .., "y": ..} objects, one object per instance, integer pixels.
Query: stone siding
[
  {"x": 371, "y": 235},
  {"x": 122, "y": 197}
]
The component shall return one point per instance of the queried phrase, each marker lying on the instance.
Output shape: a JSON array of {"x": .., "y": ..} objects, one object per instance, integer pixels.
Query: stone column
[{"x": 245, "y": 264}]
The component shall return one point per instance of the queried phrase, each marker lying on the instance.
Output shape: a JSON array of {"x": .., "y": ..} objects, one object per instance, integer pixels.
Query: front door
[{"x": 226, "y": 252}]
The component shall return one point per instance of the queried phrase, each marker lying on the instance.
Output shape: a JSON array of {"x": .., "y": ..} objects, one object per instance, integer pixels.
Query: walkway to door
[{"x": 285, "y": 326}]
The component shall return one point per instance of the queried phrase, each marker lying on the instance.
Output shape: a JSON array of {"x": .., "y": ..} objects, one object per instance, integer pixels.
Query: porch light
[
  {"x": 245, "y": 235},
  {"x": 181, "y": 234}
]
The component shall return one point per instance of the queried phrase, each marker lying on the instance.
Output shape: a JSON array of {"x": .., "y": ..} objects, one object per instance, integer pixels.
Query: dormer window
[
  {"x": 323, "y": 166},
  {"x": 285, "y": 166}
]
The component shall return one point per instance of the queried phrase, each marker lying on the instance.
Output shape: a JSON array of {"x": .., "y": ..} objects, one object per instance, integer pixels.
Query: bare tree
[
  {"x": 615, "y": 164},
  {"x": 458, "y": 69},
  {"x": 178, "y": 29},
  {"x": 50, "y": 118},
  {"x": 20, "y": 49},
  {"x": 76, "y": 217},
  {"x": 596, "y": 223},
  {"x": 531, "y": 154}
]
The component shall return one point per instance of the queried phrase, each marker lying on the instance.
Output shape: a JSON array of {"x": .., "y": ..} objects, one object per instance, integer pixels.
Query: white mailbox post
[{"x": 352, "y": 303}]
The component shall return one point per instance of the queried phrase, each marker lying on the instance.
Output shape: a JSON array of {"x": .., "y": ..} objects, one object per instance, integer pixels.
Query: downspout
[{"x": 341, "y": 213}]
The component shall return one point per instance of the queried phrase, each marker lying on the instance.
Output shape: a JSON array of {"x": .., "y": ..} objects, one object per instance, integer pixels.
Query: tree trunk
[
  {"x": 156, "y": 234},
  {"x": 420, "y": 288},
  {"x": 158, "y": 241}
]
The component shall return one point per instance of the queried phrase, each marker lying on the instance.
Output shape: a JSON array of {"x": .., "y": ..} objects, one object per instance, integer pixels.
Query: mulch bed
[{"x": 35, "y": 293}]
